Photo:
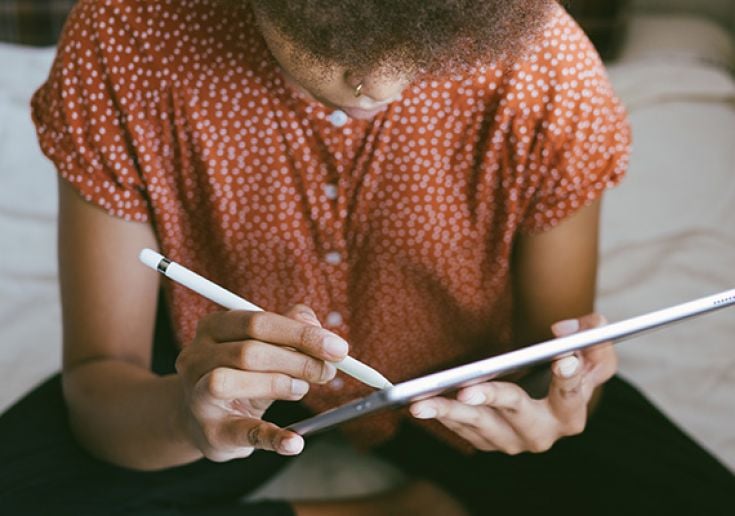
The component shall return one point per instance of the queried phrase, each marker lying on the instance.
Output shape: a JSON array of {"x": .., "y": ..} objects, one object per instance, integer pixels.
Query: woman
[{"x": 420, "y": 179}]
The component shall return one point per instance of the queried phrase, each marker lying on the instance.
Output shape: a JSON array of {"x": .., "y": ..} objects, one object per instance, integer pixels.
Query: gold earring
[{"x": 358, "y": 89}]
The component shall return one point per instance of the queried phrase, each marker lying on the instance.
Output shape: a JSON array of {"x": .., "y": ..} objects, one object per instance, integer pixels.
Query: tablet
[{"x": 489, "y": 368}]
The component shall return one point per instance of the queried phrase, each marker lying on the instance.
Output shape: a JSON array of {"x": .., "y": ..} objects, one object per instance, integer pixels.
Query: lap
[{"x": 631, "y": 459}]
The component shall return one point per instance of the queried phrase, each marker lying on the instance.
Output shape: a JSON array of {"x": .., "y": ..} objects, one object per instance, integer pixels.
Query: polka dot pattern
[{"x": 398, "y": 230}]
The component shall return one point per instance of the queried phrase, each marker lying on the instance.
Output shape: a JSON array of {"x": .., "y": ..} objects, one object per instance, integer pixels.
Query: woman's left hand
[{"x": 501, "y": 416}]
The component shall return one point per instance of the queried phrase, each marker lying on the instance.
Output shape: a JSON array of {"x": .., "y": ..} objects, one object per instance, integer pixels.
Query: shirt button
[
  {"x": 336, "y": 384},
  {"x": 330, "y": 190},
  {"x": 333, "y": 258},
  {"x": 334, "y": 319},
  {"x": 338, "y": 118}
]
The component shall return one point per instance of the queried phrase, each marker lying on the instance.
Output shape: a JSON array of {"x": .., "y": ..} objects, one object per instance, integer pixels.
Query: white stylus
[{"x": 227, "y": 299}]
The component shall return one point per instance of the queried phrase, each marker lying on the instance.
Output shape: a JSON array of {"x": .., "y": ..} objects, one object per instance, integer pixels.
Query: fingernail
[
  {"x": 299, "y": 387},
  {"x": 335, "y": 346},
  {"x": 424, "y": 413},
  {"x": 474, "y": 398},
  {"x": 292, "y": 445},
  {"x": 568, "y": 366},
  {"x": 566, "y": 327}
]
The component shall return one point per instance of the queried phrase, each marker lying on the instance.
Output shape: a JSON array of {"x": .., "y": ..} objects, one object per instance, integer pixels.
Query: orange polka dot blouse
[{"x": 397, "y": 230}]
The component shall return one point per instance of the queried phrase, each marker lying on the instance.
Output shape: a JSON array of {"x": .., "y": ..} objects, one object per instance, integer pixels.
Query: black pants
[{"x": 630, "y": 460}]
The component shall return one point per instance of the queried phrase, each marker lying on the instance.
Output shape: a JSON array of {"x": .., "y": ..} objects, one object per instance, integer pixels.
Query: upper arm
[
  {"x": 108, "y": 298},
  {"x": 554, "y": 274}
]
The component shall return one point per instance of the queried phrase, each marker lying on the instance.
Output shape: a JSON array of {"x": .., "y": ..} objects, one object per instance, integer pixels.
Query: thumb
[
  {"x": 259, "y": 434},
  {"x": 600, "y": 359}
]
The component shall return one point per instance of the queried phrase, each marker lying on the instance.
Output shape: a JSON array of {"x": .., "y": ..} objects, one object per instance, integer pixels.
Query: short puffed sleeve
[
  {"x": 579, "y": 144},
  {"x": 82, "y": 112}
]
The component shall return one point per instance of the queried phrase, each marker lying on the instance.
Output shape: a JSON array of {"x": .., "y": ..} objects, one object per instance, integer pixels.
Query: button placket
[
  {"x": 333, "y": 258},
  {"x": 330, "y": 219},
  {"x": 334, "y": 319},
  {"x": 338, "y": 118},
  {"x": 336, "y": 384},
  {"x": 331, "y": 191},
  {"x": 336, "y": 272}
]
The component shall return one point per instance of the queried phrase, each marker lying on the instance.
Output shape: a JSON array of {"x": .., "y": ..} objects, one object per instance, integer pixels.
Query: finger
[
  {"x": 565, "y": 327},
  {"x": 601, "y": 359},
  {"x": 481, "y": 426},
  {"x": 304, "y": 314},
  {"x": 570, "y": 326},
  {"x": 432, "y": 408},
  {"x": 567, "y": 396},
  {"x": 601, "y": 363},
  {"x": 506, "y": 397},
  {"x": 261, "y": 435},
  {"x": 469, "y": 434},
  {"x": 517, "y": 409},
  {"x": 253, "y": 355},
  {"x": 225, "y": 384},
  {"x": 455, "y": 411},
  {"x": 593, "y": 320},
  {"x": 238, "y": 325},
  {"x": 532, "y": 427}
]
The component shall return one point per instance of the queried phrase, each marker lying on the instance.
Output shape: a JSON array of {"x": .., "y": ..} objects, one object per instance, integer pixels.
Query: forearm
[{"x": 128, "y": 416}]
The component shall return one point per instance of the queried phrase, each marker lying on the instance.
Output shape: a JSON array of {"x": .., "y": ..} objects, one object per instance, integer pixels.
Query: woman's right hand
[{"x": 239, "y": 363}]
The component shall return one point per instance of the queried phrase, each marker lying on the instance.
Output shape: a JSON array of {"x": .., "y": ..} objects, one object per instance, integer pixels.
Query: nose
[
  {"x": 383, "y": 91},
  {"x": 378, "y": 89}
]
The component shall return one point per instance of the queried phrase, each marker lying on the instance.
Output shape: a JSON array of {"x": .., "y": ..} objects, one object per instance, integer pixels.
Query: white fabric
[
  {"x": 30, "y": 325},
  {"x": 668, "y": 235}
]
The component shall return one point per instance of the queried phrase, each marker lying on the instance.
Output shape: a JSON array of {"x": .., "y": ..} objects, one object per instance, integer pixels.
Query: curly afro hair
[{"x": 430, "y": 36}]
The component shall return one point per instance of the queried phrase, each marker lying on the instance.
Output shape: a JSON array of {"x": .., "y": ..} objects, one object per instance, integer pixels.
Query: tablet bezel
[{"x": 493, "y": 367}]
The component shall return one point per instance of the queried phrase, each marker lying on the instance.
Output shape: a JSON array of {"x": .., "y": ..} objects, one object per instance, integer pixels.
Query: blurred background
[
  {"x": 32, "y": 22},
  {"x": 606, "y": 21}
]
